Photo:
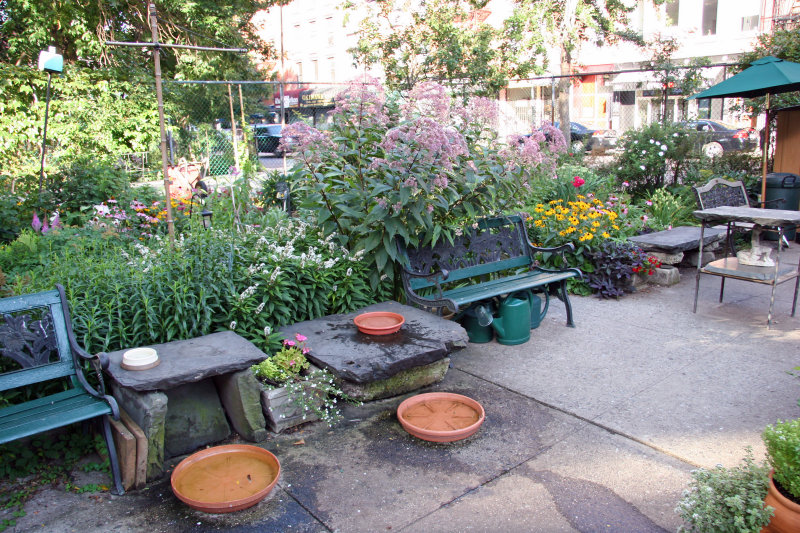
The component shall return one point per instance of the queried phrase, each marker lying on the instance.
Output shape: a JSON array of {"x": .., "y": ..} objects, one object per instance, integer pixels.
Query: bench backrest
[
  {"x": 719, "y": 192},
  {"x": 34, "y": 344},
  {"x": 496, "y": 244}
]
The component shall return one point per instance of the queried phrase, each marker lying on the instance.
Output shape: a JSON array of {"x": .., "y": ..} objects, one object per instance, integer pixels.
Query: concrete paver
[{"x": 589, "y": 428}]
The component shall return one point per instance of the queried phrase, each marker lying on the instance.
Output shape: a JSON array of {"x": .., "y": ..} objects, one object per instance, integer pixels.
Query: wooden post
[
  {"x": 160, "y": 98},
  {"x": 764, "y": 157}
]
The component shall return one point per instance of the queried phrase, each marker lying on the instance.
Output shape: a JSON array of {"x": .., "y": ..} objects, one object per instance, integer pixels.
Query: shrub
[
  {"x": 727, "y": 499},
  {"x": 666, "y": 210},
  {"x": 127, "y": 293},
  {"x": 569, "y": 182},
  {"x": 415, "y": 169},
  {"x": 615, "y": 263},
  {"x": 654, "y": 156}
]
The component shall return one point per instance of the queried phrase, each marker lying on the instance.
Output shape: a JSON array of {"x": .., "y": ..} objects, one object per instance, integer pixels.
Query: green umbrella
[{"x": 765, "y": 76}]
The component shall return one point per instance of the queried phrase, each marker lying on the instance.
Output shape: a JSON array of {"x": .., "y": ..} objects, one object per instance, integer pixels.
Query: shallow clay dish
[
  {"x": 379, "y": 322},
  {"x": 440, "y": 416},
  {"x": 226, "y": 478}
]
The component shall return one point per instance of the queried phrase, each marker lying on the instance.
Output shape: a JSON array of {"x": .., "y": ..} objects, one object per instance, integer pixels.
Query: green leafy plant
[
  {"x": 653, "y": 156},
  {"x": 315, "y": 392},
  {"x": 416, "y": 168},
  {"x": 727, "y": 499},
  {"x": 665, "y": 210},
  {"x": 286, "y": 364},
  {"x": 615, "y": 263},
  {"x": 782, "y": 440}
]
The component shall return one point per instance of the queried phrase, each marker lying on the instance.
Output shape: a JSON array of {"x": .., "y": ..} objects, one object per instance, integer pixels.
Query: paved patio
[{"x": 587, "y": 429}]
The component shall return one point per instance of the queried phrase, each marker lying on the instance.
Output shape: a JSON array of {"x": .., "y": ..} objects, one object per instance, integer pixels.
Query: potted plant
[
  {"x": 783, "y": 452},
  {"x": 293, "y": 390},
  {"x": 727, "y": 499}
]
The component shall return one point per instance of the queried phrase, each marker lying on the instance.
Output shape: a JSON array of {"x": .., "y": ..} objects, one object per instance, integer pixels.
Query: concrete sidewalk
[{"x": 587, "y": 429}]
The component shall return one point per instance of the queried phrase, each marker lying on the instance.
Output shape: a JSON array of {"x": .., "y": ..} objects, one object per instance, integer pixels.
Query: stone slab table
[
  {"x": 677, "y": 240},
  {"x": 378, "y": 366},
  {"x": 182, "y": 403}
]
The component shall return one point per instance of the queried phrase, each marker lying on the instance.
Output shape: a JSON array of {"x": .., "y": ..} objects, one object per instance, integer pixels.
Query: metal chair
[{"x": 723, "y": 193}]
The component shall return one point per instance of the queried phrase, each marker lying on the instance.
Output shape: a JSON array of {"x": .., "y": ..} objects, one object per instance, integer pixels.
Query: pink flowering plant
[
  {"x": 286, "y": 364},
  {"x": 415, "y": 166},
  {"x": 315, "y": 392}
]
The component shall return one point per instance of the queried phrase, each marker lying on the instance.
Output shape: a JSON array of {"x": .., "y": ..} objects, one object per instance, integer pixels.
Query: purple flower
[{"x": 36, "y": 224}]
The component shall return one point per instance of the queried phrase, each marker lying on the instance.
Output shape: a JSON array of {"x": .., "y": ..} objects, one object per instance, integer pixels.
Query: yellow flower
[
  {"x": 605, "y": 235},
  {"x": 560, "y": 217},
  {"x": 596, "y": 223},
  {"x": 615, "y": 226}
]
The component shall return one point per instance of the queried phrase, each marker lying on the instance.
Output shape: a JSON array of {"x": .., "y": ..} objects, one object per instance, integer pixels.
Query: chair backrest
[
  {"x": 719, "y": 192},
  {"x": 34, "y": 343}
]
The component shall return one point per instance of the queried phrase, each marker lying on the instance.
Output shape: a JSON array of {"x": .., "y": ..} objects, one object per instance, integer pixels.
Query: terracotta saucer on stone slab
[
  {"x": 379, "y": 322},
  {"x": 440, "y": 416}
]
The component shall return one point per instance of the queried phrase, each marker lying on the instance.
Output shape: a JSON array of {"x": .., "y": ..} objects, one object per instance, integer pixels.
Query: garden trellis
[{"x": 156, "y": 46}]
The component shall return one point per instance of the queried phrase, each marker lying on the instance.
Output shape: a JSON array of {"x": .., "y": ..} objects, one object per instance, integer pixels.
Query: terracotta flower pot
[{"x": 787, "y": 513}]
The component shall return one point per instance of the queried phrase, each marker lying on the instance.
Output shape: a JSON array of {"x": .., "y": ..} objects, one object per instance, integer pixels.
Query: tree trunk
[{"x": 564, "y": 85}]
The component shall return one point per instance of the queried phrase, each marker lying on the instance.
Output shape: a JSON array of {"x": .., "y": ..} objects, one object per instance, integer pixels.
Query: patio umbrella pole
[{"x": 764, "y": 155}]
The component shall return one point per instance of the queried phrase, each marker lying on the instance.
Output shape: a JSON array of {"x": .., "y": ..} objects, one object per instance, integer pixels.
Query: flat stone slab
[
  {"x": 188, "y": 361},
  {"x": 337, "y": 345},
  {"x": 679, "y": 239}
]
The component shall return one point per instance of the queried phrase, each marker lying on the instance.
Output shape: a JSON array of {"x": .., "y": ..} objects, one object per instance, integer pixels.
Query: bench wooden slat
[
  {"x": 497, "y": 287},
  {"x": 59, "y": 410}
]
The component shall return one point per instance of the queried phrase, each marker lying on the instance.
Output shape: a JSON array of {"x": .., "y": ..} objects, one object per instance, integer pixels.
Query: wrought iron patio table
[{"x": 729, "y": 267}]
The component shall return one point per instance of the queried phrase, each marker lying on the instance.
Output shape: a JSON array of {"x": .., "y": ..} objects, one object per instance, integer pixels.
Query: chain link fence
[
  {"x": 615, "y": 101},
  {"x": 223, "y": 125}
]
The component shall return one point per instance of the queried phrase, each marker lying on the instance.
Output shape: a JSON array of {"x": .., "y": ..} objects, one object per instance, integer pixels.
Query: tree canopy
[
  {"x": 783, "y": 44},
  {"x": 103, "y": 104},
  {"x": 445, "y": 41}
]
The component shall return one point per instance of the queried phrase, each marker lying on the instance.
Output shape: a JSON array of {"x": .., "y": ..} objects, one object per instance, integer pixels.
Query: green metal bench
[
  {"x": 37, "y": 346},
  {"x": 490, "y": 260}
]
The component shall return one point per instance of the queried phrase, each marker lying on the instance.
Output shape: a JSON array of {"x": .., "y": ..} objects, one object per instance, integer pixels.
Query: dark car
[
  {"x": 716, "y": 138},
  {"x": 268, "y": 138},
  {"x": 590, "y": 139}
]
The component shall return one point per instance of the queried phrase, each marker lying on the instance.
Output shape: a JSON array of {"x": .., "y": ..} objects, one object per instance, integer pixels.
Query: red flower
[{"x": 577, "y": 181}]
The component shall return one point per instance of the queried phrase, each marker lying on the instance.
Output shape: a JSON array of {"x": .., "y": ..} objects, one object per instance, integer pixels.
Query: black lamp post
[
  {"x": 207, "y": 216},
  {"x": 50, "y": 62}
]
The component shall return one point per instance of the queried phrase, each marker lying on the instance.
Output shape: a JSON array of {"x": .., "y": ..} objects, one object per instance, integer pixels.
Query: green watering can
[
  {"x": 518, "y": 314},
  {"x": 477, "y": 321}
]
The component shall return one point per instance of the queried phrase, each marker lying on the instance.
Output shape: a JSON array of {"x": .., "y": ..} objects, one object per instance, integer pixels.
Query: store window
[
  {"x": 672, "y": 9},
  {"x": 709, "y": 17}
]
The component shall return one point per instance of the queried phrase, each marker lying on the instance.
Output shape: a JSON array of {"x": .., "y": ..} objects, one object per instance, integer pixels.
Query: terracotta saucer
[
  {"x": 226, "y": 478},
  {"x": 440, "y": 416},
  {"x": 379, "y": 322}
]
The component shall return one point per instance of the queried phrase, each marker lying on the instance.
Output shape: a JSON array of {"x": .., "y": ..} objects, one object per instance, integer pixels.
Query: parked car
[
  {"x": 590, "y": 139},
  {"x": 268, "y": 138},
  {"x": 716, "y": 138}
]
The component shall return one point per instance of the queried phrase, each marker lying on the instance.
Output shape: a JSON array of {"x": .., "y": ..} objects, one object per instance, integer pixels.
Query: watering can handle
[{"x": 528, "y": 293}]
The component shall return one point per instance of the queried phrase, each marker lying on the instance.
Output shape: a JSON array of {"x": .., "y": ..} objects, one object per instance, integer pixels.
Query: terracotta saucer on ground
[
  {"x": 226, "y": 478},
  {"x": 440, "y": 416},
  {"x": 379, "y": 322}
]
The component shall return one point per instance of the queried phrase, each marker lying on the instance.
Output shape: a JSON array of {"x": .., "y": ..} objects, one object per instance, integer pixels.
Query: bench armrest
[
  {"x": 436, "y": 278},
  {"x": 560, "y": 250}
]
